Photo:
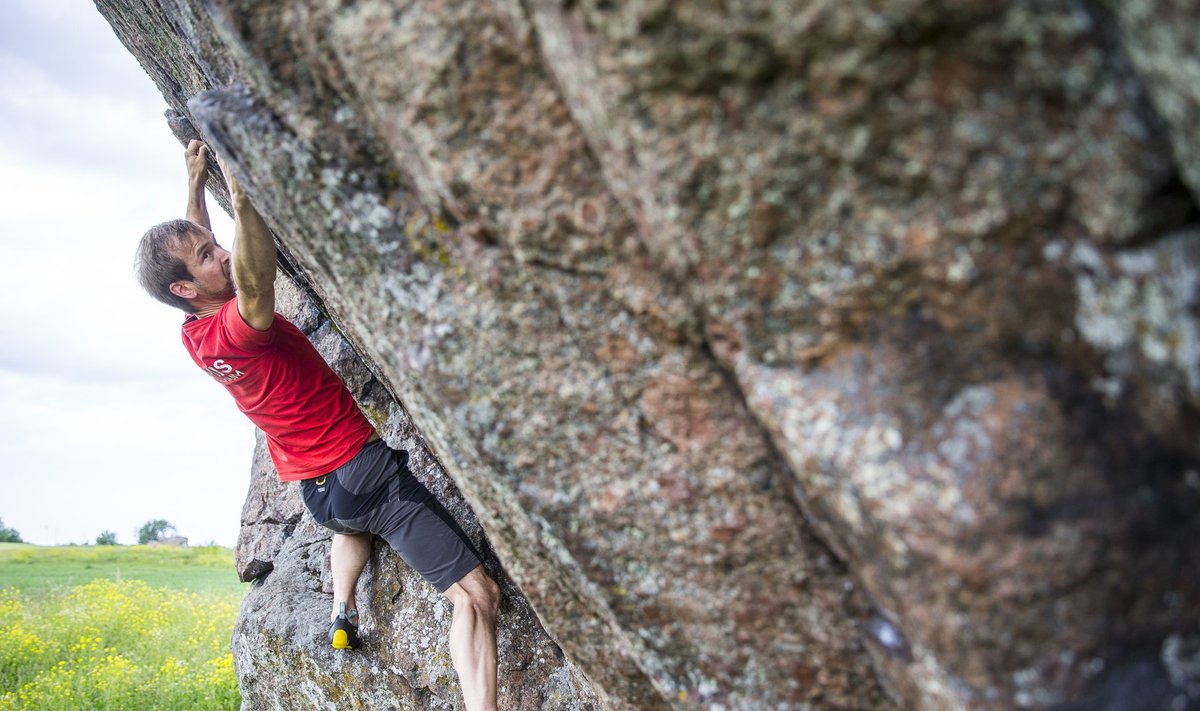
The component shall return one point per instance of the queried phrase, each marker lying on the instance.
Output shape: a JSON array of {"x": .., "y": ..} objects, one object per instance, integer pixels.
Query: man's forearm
[
  {"x": 253, "y": 258},
  {"x": 197, "y": 208},
  {"x": 253, "y": 249},
  {"x": 196, "y": 157}
]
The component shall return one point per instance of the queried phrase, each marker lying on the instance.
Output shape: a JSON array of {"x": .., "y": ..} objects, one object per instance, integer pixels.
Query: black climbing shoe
[{"x": 343, "y": 633}]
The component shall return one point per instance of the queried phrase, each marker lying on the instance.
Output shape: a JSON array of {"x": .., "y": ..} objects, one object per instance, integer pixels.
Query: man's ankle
[{"x": 344, "y": 608}]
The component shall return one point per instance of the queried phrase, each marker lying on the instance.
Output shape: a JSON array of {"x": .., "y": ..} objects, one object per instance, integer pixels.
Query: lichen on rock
[{"x": 788, "y": 354}]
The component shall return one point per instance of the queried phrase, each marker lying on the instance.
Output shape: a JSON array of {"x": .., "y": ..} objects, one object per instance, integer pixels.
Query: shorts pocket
[{"x": 318, "y": 499}]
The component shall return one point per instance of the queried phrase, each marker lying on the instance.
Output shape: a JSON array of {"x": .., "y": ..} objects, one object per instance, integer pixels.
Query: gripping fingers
[{"x": 196, "y": 157}]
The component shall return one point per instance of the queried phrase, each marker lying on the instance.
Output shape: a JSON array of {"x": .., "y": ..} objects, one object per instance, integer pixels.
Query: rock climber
[{"x": 351, "y": 481}]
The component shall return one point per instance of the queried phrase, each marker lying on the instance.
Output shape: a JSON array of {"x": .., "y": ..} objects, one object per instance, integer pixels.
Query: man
[{"x": 352, "y": 483}]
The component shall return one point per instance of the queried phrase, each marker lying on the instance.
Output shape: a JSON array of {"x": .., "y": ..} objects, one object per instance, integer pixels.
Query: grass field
[
  {"x": 117, "y": 627},
  {"x": 37, "y": 568}
]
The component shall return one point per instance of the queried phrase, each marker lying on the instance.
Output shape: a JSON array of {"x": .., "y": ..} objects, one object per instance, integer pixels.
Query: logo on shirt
[{"x": 223, "y": 372}]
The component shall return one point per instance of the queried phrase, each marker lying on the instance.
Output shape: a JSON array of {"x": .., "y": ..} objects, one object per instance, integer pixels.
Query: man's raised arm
[
  {"x": 253, "y": 259},
  {"x": 196, "y": 156}
]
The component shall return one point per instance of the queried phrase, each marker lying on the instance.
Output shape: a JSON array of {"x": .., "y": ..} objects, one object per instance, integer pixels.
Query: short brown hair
[{"x": 158, "y": 266}]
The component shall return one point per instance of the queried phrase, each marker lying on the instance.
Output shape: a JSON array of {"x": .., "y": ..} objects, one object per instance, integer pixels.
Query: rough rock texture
[
  {"x": 840, "y": 354},
  {"x": 1161, "y": 39}
]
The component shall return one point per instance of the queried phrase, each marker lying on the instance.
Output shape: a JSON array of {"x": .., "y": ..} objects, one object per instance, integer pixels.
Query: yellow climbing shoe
[{"x": 343, "y": 633}]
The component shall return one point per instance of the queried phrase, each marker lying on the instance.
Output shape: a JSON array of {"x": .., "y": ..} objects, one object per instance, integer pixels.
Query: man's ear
[{"x": 183, "y": 289}]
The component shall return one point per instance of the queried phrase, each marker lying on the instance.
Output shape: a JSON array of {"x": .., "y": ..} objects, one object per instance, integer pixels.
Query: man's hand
[{"x": 196, "y": 157}]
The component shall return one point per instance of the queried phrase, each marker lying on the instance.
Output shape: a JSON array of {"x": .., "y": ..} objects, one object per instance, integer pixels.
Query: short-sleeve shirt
[{"x": 282, "y": 383}]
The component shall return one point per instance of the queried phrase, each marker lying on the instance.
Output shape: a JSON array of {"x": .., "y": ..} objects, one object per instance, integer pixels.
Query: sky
[{"x": 105, "y": 422}]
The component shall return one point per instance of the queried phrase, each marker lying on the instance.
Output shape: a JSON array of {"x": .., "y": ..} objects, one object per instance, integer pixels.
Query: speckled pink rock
[{"x": 789, "y": 354}]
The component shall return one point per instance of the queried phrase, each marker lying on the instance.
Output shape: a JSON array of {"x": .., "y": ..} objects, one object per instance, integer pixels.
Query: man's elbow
[
  {"x": 256, "y": 289},
  {"x": 251, "y": 279}
]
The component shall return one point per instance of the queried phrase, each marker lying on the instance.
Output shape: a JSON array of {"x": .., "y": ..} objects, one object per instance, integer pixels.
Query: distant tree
[
  {"x": 9, "y": 535},
  {"x": 154, "y": 530},
  {"x": 107, "y": 538}
]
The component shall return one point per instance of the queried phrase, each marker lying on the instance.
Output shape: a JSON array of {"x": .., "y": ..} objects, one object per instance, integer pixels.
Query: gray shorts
[{"x": 376, "y": 493}]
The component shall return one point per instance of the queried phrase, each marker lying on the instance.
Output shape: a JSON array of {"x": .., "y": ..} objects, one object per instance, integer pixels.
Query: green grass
[
  {"x": 38, "y": 568},
  {"x": 117, "y": 628}
]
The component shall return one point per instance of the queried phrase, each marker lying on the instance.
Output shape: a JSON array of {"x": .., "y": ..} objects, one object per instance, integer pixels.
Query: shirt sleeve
[{"x": 240, "y": 332}]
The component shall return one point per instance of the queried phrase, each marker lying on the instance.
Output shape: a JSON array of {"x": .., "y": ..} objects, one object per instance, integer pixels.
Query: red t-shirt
[{"x": 284, "y": 386}]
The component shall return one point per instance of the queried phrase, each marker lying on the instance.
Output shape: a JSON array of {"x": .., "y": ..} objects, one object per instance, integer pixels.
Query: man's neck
[{"x": 208, "y": 309}]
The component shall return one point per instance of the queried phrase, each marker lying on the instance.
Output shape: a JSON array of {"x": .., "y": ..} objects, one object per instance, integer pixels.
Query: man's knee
[
  {"x": 477, "y": 590},
  {"x": 484, "y": 594}
]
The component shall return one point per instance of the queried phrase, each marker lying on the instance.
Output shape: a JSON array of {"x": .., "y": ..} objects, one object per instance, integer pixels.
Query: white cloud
[
  {"x": 76, "y": 459},
  {"x": 63, "y": 124},
  {"x": 105, "y": 422},
  {"x": 80, "y": 305}
]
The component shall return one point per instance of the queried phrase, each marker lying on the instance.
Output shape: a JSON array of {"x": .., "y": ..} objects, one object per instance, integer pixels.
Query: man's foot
[{"x": 343, "y": 633}]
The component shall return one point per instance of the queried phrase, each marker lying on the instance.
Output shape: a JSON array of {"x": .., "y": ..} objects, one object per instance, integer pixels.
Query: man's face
[{"x": 209, "y": 266}]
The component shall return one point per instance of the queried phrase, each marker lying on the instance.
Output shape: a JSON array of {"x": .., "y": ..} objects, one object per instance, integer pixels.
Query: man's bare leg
[
  {"x": 476, "y": 598},
  {"x": 347, "y": 557}
]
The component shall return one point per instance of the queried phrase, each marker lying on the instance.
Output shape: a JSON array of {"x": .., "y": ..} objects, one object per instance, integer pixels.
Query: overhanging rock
[{"x": 681, "y": 294}]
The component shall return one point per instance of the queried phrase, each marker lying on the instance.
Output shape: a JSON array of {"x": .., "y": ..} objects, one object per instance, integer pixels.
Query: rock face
[
  {"x": 793, "y": 354},
  {"x": 281, "y": 650}
]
